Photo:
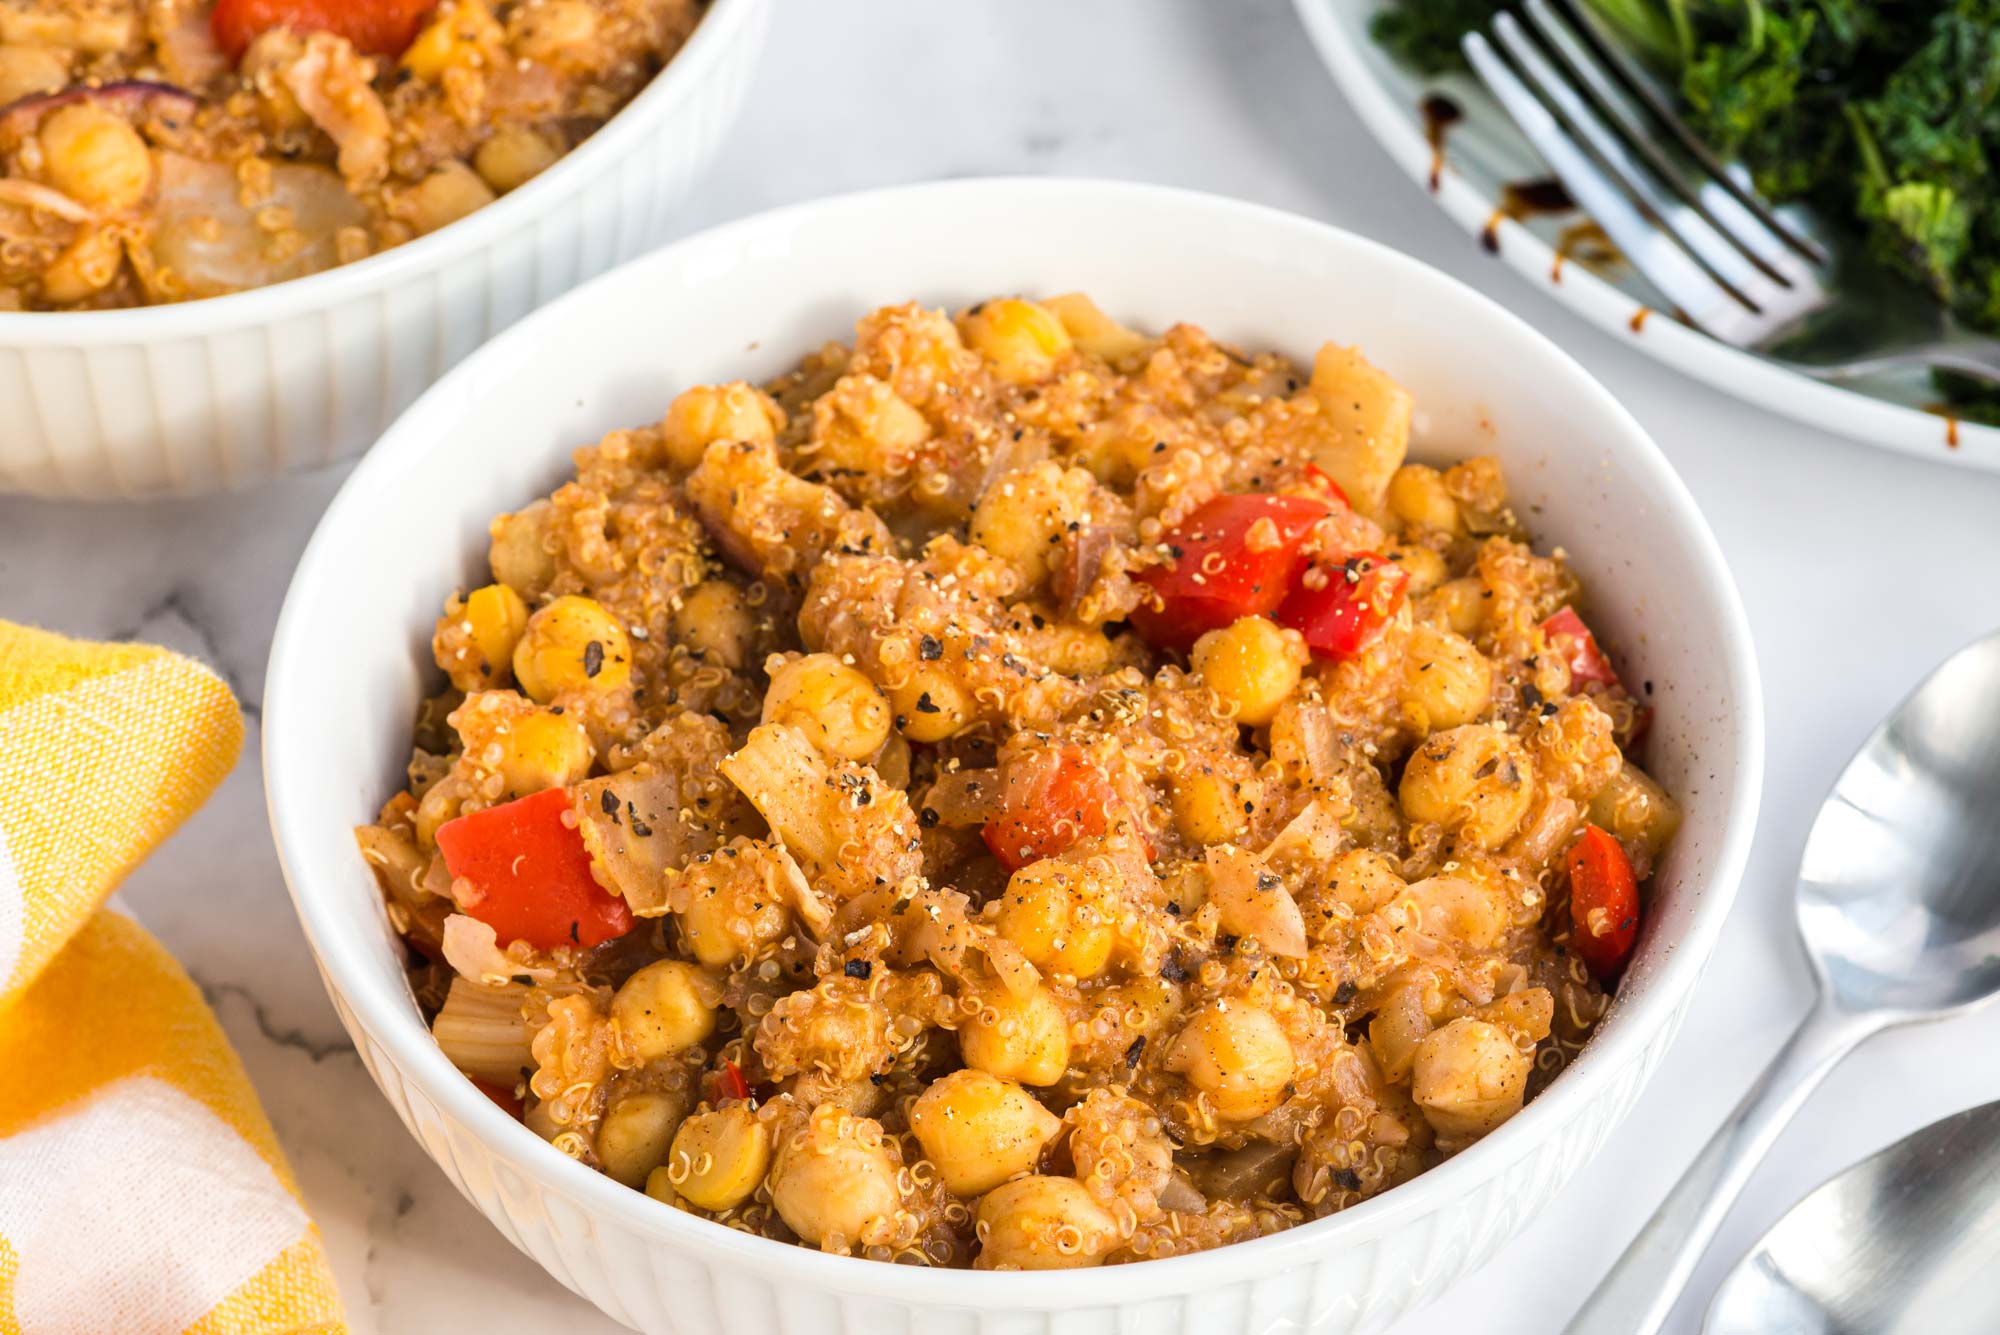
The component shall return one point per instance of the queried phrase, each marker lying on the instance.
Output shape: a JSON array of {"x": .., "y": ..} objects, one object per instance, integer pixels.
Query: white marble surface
[{"x": 1860, "y": 570}]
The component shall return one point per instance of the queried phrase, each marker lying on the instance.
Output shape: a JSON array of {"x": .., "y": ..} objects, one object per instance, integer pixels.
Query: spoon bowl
[
  {"x": 1902, "y": 1243},
  {"x": 1899, "y": 908},
  {"x": 1899, "y": 888}
]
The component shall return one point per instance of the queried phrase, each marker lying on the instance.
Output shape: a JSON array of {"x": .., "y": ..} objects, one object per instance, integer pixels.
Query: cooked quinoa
[
  {"x": 1020, "y": 792},
  {"x": 162, "y": 150}
]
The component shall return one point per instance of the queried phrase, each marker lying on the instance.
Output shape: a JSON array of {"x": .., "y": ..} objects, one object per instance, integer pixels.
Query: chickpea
[
  {"x": 1449, "y": 682},
  {"x": 864, "y": 426},
  {"x": 434, "y": 808},
  {"x": 461, "y": 34},
  {"x": 981, "y": 1130},
  {"x": 85, "y": 267},
  {"x": 572, "y": 644},
  {"x": 1460, "y": 603},
  {"x": 1116, "y": 451},
  {"x": 1208, "y": 809},
  {"x": 28, "y": 70},
  {"x": 1093, "y": 331},
  {"x": 559, "y": 33},
  {"x": 1056, "y": 912},
  {"x": 1476, "y": 779},
  {"x": 837, "y": 708},
  {"x": 452, "y": 191},
  {"x": 1364, "y": 880},
  {"x": 544, "y": 750},
  {"x": 520, "y": 554},
  {"x": 512, "y": 158},
  {"x": 1076, "y": 651},
  {"x": 475, "y": 638},
  {"x": 1426, "y": 568},
  {"x": 1238, "y": 1056},
  {"x": 1633, "y": 806},
  {"x": 1022, "y": 516},
  {"x": 1043, "y": 1223},
  {"x": 1022, "y": 339},
  {"x": 1417, "y": 496},
  {"x": 932, "y": 706},
  {"x": 716, "y": 624},
  {"x": 1473, "y": 913},
  {"x": 707, "y": 413},
  {"x": 1251, "y": 664},
  {"x": 1024, "y": 1038},
  {"x": 717, "y": 1161},
  {"x": 95, "y": 158},
  {"x": 1469, "y": 1078},
  {"x": 730, "y": 921},
  {"x": 633, "y": 1138},
  {"x": 833, "y": 1181},
  {"x": 665, "y": 1009}
]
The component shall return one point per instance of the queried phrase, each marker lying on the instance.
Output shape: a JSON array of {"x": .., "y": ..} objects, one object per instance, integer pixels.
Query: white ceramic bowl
[
  {"x": 177, "y": 400},
  {"x": 350, "y": 663}
]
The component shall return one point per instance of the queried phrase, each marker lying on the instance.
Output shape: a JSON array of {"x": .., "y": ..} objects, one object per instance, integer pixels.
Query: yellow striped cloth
[{"x": 141, "y": 1189}]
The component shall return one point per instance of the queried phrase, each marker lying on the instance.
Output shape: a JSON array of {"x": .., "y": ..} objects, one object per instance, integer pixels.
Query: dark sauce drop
[
  {"x": 1950, "y": 416},
  {"x": 1440, "y": 113},
  {"x": 1638, "y": 320},
  {"x": 1542, "y": 194},
  {"x": 1521, "y": 200}
]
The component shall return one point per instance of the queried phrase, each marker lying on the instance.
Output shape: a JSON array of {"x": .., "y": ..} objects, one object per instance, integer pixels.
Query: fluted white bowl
[
  {"x": 206, "y": 395},
  {"x": 351, "y": 661}
]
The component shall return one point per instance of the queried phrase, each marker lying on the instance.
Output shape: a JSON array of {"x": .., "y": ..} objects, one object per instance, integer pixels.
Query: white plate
[{"x": 1483, "y": 152}]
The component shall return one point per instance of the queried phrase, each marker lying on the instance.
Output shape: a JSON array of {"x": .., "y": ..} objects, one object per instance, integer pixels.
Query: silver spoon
[
  {"x": 1905, "y": 1242},
  {"x": 1899, "y": 905}
]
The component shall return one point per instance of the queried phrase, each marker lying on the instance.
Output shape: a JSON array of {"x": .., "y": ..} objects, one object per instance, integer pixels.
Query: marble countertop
[{"x": 1860, "y": 570}]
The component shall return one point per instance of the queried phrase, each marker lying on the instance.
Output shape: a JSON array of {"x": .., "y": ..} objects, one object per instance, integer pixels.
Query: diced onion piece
[
  {"x": 1252, "y": 901},
  {"x": 212, "y": 242},
  {"x": 472, "y": 948}
]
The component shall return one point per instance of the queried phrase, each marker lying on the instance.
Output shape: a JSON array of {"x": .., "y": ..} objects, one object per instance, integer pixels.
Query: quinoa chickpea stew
[
  {"x": 1016, "y": 792},
  {"x": 163, "y": 150}
]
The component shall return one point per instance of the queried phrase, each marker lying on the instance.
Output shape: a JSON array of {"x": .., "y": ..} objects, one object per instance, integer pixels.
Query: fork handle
[{"x": 1643, "y": 1286}]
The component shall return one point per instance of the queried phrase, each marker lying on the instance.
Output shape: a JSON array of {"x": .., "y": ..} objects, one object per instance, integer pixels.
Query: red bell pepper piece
[
  {"x": 529, "y": 875},
  {"x": 1603, "y": 901},
  {"x": 1235, "y": 556},
  {"x": 375, "y": 27},
  {"x": 1321, "y": 482},
  {"x": 1349, "y": 607},
  {"x": 1578, "y": 647},
  {"x": 1051, "y": 803},
  {"x": 502, "y": 1096},
  {"x": 727, "y": 1083}
]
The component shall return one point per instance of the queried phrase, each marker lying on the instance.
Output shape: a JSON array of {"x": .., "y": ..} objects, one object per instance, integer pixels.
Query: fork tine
[
  {"x": 1704, "y": 244},
  {"x": 1652, "y": 251},
  {"x": 1739, "y": 227},
  {"x": 1639, "y": 87}
]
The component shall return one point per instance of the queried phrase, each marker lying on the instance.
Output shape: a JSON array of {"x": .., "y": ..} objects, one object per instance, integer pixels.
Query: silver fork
[{"x": 1693, "y": 226}]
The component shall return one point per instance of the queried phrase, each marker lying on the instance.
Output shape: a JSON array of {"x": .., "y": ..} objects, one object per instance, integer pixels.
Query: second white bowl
[
  {"x": 179, "y": 400},
  {"x": 745, "y": 301}
]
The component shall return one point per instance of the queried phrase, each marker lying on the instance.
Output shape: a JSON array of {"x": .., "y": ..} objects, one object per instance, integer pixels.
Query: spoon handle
[{"x": 1642, "y": 1288}]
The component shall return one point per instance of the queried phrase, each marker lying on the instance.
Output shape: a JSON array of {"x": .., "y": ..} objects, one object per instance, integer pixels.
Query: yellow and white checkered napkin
[{"x": 141, "y": 1189}]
